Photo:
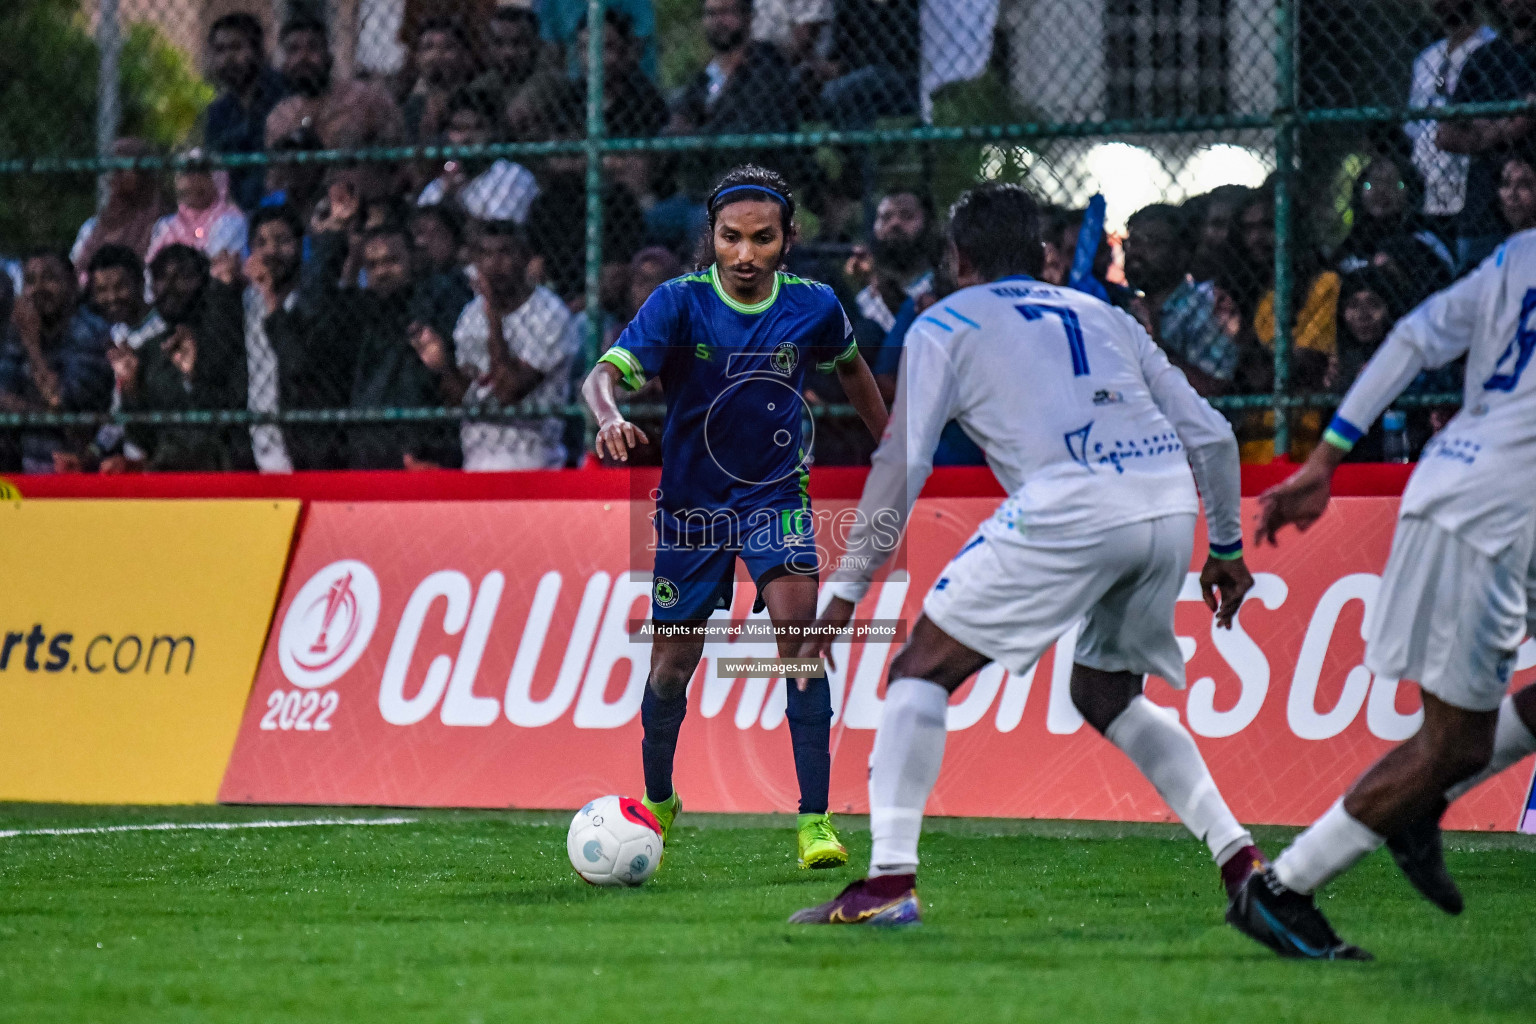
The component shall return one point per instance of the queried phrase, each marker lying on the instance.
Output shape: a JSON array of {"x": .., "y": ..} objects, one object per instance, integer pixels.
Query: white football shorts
[
  {"x": 1009, "y": 597},
  {"x": 1448, "y": 616}
]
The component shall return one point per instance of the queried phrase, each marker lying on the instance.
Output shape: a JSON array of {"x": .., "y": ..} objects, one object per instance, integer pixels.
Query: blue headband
[{"x": 715, "y": 205}]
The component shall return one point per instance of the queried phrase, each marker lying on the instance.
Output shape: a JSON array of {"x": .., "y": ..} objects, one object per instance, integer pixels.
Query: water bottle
[{"x": 1394, "y": 443}]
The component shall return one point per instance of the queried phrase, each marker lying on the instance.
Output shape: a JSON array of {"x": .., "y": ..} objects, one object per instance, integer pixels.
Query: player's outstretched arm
[
  {"x": 1302, "y": 498},
  {"x": 1436, "y": 332},
  {"x": 860, "y": 387},
  {"x": 897, "y": 472},
  {"x": 615, "y": 435}
]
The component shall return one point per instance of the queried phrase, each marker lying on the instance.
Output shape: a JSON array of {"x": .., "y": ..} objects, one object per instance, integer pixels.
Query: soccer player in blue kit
[{"x": 731, "y": 345}]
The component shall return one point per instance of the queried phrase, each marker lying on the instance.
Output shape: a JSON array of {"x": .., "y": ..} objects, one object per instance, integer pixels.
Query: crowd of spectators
[{"x": 456, "y": 284}]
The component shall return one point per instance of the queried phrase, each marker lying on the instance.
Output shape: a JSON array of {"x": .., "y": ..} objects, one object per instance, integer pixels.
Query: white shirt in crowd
[
  {"x": 956, "y": 43},
  {"x": 504, "y": 191},
  {"x": 871, "y": 304},
  {"x": 267, "y": 443},
  {"x": 1476, "y": 478},
  {"x": 774, "y": 21},
  {"x": 1435, "y": 73},
  {"x": 956, "y": 35},
  {"x": 543, "y": 333},
  {"x": 1082, "y": 418},
  {"x": 227, "y": 234}
]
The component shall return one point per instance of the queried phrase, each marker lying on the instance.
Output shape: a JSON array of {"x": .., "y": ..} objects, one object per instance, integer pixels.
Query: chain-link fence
[{"x": 290, "y": 234}]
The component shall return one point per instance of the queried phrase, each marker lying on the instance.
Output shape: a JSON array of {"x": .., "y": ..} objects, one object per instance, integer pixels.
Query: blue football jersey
[{"x": 733, "y": 376}]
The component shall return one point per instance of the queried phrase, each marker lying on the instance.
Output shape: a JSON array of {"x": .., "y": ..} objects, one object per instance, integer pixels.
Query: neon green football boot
[
  {"x": 819, "y": 845},
  {"x": 666, "y": 813}
]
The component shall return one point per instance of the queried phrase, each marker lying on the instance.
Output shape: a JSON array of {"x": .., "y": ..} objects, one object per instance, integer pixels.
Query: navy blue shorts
[{"x": 696, "y": 573}]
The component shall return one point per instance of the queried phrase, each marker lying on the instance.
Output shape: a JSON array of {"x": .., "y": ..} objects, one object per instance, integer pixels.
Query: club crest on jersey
[
  {"x": 1104, "y": 396},
  {"x": 785, "y": 357},
  {"x": 664, "y": 592}
]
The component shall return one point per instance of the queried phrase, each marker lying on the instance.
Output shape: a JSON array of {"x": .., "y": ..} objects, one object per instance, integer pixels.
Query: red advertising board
[{"x": 479, "y": 654}]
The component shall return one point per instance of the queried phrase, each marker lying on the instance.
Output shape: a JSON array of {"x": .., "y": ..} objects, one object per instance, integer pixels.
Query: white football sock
[
  {"x": 1326, "y": 850},
  {"x": 1166, "y": 754},
  {"x": 1512, "y": 740},
  {"x": 904, "y": 765}
]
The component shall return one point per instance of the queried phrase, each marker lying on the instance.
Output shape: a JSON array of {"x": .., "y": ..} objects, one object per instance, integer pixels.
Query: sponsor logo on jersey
[
  {"x": 1104, "y": 396},
  {"x": 1077, "y": 445}
]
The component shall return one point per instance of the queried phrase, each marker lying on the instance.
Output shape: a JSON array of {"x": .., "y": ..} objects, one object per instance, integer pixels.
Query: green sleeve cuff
[
  {"x": 1338, "y": 440},
  {"x": 627, "y": 365},
  {"x": 1227, "y": 554},
  {"x": 1342, "y": 434},
  {"x": 847, "y": 355}
]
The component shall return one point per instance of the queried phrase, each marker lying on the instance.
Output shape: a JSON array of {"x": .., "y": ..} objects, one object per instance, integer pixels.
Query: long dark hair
[
  {"x": 1366, "y": 234},
  {"x": 1247, "y": 279},
  {"x": 757, "y": 183}
]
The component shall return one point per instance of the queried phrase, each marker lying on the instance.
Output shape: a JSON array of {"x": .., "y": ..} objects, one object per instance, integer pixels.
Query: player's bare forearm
[
  {"x": 615, "y": 435},
  {"x": 860, "y": 387},
  {"x": 1302, "y": 498},
  {"x": 598, "y": 391}
]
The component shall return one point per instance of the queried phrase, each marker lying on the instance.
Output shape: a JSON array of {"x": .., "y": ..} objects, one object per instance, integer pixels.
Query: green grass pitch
[{"x": 476, "y": 916}]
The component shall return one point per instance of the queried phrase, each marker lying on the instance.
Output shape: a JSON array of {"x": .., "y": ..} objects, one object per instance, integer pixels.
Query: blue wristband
[
  {"x": 1227, "y": 552},
  {"x": 1342, "y": 434}
]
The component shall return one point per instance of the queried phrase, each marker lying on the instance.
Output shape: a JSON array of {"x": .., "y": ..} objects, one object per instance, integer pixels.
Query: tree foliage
[{"x": 48, "y": 78}]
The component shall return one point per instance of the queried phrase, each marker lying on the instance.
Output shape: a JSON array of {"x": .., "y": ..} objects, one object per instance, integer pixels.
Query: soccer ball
[{"x": 614, "y": 841}]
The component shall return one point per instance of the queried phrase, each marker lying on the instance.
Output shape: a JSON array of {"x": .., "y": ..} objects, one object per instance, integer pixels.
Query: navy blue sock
[
  {"x": 662, "y": 717},
  {"x": 810, "y": 731}
]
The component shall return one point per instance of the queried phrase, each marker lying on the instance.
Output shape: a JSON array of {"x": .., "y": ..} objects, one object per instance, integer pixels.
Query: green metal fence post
[
  {"x": 595, "y": 137},
  {"x": 1285, "y": 169}
]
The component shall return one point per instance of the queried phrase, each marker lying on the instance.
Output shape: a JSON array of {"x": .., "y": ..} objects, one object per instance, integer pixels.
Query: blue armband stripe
[{"x": 1343, "y": 434}]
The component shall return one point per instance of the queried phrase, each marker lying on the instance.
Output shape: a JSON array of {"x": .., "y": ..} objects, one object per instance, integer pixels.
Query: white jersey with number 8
[{"x": 1477, "y": 477}]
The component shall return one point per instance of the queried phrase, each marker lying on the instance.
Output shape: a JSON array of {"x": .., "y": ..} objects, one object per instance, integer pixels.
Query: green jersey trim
[
  {"x": 1338, "y": 440},
  {"x": 847, "y": 355},
  {"x": 628, "y": 366},
  {"x": 742, "y": 307}
]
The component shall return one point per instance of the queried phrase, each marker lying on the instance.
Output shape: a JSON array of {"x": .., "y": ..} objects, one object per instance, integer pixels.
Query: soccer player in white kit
[
  {"x": 1093, "y": 434},
  {"x": 1457, "y": 595}
]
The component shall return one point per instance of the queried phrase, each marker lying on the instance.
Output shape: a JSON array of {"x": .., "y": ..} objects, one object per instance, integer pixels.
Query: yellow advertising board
[{"x": 130, "y": 632}]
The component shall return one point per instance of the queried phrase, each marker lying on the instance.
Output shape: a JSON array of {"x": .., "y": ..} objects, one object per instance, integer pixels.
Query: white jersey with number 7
[{"x": 1082, "y": 418}]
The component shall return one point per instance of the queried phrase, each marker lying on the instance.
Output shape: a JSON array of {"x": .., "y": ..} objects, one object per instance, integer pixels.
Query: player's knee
[
  {"x": 1101, "y": 696},
  {"x": 1453, "y": 754},
  {"x": 1525, "y": 703},
  {"x": 1464, "y": 760},
  {"x": 1454, "y": 744},
  {"x": 668, "y": 682},
  {"x": 1096, "y": 712}
]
